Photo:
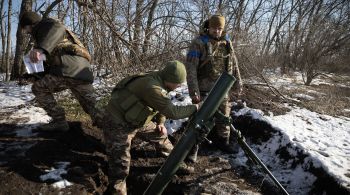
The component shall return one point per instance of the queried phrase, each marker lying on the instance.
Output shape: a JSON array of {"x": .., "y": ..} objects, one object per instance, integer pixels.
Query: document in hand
[{"x": 34, "y": 67}]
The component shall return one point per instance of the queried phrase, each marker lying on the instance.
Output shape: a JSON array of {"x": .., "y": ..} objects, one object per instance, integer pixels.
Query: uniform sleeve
[
  {"x": 159, "y": 119},
  {"x": 48, "y": 34},
  {"x": 192, "y": 62},
  {"x": 236, "y": 73},
  {"x": 158, "y": 99},
  {"x": 233, "y": 59}
]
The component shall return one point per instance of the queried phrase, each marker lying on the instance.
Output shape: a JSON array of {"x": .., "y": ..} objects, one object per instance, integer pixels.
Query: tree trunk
[
  {"x": 135, "y": 53},
  {"x": 239, "y": 14},
  {"x": 49, "y": 8},
  {"x": 8, "y": 45},
  {"x": 3, "y": 37},
  {"x": 149, "y": 26},
  {"x": 20, "y": 42}
]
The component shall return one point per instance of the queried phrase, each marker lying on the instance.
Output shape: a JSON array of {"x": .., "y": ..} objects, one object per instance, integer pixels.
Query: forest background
[{"x": 131, "y": 36}]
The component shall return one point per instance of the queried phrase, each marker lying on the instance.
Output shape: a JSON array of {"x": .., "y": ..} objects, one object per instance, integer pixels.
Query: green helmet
[
  {"x": 174, "y": 72},
  {"x": 29, "y": 18}
]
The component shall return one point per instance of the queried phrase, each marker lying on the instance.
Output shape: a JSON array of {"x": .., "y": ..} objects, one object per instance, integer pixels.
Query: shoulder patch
[
  {"x": 204, "y": 39},
  {"x": 227, "y": 37},
  {"x": 194, "y": 54}
]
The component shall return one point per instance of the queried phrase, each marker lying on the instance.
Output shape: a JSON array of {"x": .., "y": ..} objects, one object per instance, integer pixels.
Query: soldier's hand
[
  {"x": 240, "y": 91},
  {"x": 199, "y": 105},
  {"x": 162, "y": 129},
  {"x": 34, "y": 55},
  {"x": 196, "y": 99}
]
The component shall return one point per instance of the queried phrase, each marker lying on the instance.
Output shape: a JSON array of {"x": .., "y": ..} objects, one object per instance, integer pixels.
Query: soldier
[
  {"x": 68, "y": 67},
  {"x": 135, "y": 101},
  {"x": 210, "y": 54}
]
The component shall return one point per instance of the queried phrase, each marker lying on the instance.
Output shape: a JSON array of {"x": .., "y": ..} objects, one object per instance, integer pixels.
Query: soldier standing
[
  {"x": 68, "y": 67},
  {"x": 210, "y": 54},
  {"x": 135, "y": 102}
]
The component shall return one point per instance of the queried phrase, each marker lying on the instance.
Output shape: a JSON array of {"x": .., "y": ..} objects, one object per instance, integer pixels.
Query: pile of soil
[{"x": 25, "y": 159}]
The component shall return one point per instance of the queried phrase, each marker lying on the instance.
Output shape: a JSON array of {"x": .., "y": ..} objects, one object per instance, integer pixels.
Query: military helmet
[
  {"x": 29, "y": 18},
  {"x": 174, "y": 72}
]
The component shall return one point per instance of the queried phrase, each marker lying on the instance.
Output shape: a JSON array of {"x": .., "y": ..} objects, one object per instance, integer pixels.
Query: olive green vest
[{"x": 126, "y": 107}]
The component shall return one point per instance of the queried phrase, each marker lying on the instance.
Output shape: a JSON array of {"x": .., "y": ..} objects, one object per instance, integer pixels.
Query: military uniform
[
  {"x": 207, "y": 58},
  {"x": 136, "y": 101},
  {"x": 67, "y": 66}
]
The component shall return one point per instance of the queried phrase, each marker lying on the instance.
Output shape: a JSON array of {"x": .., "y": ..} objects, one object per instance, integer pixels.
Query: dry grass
[
  {"x": 262, "y": 98},
  {"x": 74, "y": 112},
  {"x": 331, "y": 100},
  {"x": 334, "y": 102}
]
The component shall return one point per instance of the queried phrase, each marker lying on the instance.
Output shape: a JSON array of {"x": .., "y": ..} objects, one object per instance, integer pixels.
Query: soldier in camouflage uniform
[
  {"x": 137, "y": 101},
  {"x": 210, "y": 54},
  {"x": 67, "y": 67}
]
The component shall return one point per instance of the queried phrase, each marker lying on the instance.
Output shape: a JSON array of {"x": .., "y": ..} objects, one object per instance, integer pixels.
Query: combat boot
[
  {"x": 55, "y": 126},
  {"x": 185, "y": 169},
  {"x": 98, "y": 119},
  {"x": 222, "y": 139},
  {"x": 192, "y": 155},
  {"x": 225, "y": 146}
]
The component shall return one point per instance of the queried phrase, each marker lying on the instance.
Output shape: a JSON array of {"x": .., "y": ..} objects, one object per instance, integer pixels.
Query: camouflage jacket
[
  {"x": 136, "y": 100},
  {"x": 206, "y": 59},
  {"x": 66, "y": 56}
]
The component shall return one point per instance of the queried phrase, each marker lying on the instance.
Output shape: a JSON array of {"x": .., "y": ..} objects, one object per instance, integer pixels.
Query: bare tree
[
  {"x": 148, "y": 29},
  {"x": 3, "y": 37},
  {"x": 325, "y": 33},
  {"x": 8, "y": 44},
  {"x": 51, "y": 7},
  {"x": 126, "y": 36},
  {"x": 21, "y": 42}
]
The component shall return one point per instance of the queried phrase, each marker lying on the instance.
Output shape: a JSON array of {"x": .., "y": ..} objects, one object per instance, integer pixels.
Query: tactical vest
[
  {"x": 72, "y": 45},
  {"x": 132, "y": 108},
  {"x": 217, "y": 61}
]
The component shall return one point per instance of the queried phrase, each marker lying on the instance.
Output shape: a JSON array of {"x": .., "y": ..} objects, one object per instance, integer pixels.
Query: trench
[
  {"x": 145, "y": 165},
  {"x": 258, "y": 131}
]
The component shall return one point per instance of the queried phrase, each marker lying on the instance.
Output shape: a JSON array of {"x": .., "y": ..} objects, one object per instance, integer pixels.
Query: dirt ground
[{"x": 24, "y": 159}]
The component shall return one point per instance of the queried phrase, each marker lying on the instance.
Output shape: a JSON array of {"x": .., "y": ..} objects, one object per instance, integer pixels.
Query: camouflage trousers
[
  {"x": 220, "y": 131},
  {"x": 44, "y": 89},
  {"x": 118, "y": 139}
]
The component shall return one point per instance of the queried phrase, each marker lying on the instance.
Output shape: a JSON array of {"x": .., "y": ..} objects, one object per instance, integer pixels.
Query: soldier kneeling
[{"x": 135, "y": 101}]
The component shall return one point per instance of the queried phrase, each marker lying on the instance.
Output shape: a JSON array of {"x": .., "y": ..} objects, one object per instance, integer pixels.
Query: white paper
[{"x": 34, "y": 67}]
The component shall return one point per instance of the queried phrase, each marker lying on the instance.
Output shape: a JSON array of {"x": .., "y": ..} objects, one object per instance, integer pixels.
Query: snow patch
[{"x": 55, "y": 174}]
